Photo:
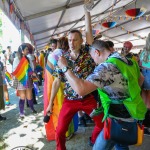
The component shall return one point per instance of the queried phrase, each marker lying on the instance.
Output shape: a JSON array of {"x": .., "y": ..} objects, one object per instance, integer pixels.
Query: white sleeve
[
  {"x": 15, "y": 63},
  {"x": 31, "y": 59}
]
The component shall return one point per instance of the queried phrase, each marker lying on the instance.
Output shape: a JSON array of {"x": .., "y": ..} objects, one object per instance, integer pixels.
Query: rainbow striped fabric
[
  {"x": 8, "y": 76},
  {"x": 22, "y": 71},
  {"x": 35, "y": 79}
]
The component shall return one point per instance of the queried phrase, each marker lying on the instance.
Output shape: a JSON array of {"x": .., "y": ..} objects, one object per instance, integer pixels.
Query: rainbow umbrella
[
  {"x": 109, "y": 24},
  {"x": 135, "y": 12}
]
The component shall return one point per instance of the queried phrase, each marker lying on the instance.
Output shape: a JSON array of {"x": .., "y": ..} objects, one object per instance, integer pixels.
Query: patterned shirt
[
  {"x": 145, "y": 64},
  {"x": 106, "y": 76},
  {"x": 81, "y": 67}
]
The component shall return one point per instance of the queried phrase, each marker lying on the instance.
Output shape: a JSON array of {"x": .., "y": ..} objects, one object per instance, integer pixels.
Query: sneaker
[
  {"x": 147, "y": 131},
  {"x": 96, "y": 112},
  {"x": 39, "y": 91},
  {"x": 82, "y": 122},
  {"x": 2, "y": 118},
  {"x": 34, "y": 112},
  {"x": 70, "y": 136},
  {"x": 88, "y": 118},
  {"x": 90, "y": 143},
  {"x": 22, "y": 116},
  {"x": 8, "y": 104}
]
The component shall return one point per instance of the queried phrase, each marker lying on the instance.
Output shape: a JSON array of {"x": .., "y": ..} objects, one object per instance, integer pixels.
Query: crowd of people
[{"x": 89, "y": 72}]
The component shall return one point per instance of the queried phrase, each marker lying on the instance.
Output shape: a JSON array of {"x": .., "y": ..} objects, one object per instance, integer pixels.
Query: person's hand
[
  {"x": 5, "y": 69},
  {"x": 88, "y": 5},
  {"x": 49, "y": 109},
  {"x": 62, "y": 62},
  {"x": 3, "y": 77},
  {"x": 34, "y": 74}
]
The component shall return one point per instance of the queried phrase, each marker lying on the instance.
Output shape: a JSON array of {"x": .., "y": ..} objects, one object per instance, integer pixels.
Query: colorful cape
[
  {"x": 50, "y": 127},
  {"x": 22, "y": 71}
]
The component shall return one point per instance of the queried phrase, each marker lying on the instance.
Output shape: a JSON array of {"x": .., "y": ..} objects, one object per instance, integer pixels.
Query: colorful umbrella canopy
[
  {"x": 109, "y": 24},
  {"x": 135, "y": 12}
]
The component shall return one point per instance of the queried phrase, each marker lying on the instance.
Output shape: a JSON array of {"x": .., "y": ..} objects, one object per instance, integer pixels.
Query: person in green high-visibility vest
[{"x": 115, "y": 76}]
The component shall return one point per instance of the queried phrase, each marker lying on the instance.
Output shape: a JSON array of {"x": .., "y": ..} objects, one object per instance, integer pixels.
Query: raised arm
[{"x": 88, "y": 27}]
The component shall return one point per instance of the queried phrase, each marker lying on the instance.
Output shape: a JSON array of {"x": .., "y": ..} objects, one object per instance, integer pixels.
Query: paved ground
[{"x": 31, "y": 133}]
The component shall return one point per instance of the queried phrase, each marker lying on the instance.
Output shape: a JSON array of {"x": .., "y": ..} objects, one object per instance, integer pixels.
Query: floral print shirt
[{"x": 81, "y": 67}]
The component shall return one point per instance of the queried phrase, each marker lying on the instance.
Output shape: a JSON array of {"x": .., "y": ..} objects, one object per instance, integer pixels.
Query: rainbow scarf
[
  {"x": 8, "y": 76},
  {"x": 22, "y": 71}
]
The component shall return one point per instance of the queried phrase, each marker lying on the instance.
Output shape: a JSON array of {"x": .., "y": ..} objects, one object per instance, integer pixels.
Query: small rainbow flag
[
  {"x": 8, "y": 76},
  {"x": 22, "y": 71},
  {"x": 35, "y": 79}
]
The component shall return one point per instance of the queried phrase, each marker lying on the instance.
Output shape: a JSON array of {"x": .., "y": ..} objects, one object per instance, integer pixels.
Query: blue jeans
[
  {"x": 146, "y": 83},
  {"x": 102, "y": 144}
]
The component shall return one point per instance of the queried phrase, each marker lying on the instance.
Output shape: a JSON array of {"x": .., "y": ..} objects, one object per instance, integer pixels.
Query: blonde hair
[{"x": 147, "y": 49}]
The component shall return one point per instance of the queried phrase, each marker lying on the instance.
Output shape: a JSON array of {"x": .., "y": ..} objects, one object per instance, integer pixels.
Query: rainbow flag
[
  {"x": 50, "y": 127},
  {"x": 22, "y": 71},
  {"x": 8, "y": 76},
  {"x": 35, "y": 79}
]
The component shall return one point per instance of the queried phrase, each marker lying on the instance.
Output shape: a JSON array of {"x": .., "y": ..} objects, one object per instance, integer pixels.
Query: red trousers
[{"x": 68, "y": 110}]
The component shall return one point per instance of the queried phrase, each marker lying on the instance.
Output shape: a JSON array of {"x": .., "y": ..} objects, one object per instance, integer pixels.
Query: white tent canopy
[{"x": 54, "y": 18}]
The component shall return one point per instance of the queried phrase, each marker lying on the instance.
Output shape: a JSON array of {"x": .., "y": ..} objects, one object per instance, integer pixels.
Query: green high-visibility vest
[{"x": 134, "y": 104}]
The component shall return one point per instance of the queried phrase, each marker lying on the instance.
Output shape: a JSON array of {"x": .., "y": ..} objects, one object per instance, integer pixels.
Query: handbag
[
  {"x": 120, "y": 131},
  {"x": 140, "y": 135},
  {"x": 14, "y": 83}
]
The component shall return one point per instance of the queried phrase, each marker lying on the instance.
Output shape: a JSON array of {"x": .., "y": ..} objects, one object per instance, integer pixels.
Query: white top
[
  {"x": 3, "y": 59},
  {"x": 31, "y": 59},
  {"x": 15, "y": 63}
]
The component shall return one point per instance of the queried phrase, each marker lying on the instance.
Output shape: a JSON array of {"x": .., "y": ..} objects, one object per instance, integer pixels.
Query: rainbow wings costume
[{"x": 50, "y": 127}]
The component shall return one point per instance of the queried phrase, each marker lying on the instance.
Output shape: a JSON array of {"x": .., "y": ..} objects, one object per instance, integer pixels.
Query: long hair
[
  {"x": 147, "y": 49},
  {"x": 21, "y": 48},
  {"x": 62, "y": 43}
]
